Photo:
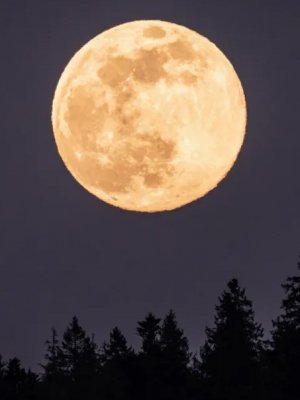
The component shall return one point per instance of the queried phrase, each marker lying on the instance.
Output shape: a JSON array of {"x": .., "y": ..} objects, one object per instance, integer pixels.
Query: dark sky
[{"x": 64, "y": 252}]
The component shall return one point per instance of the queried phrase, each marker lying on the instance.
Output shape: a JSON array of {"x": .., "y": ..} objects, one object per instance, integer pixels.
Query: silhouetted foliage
[
  {"x": 116, "y": 348},
  {"x": 174, "y": 344},
  {"x": 79, "y": 360},
  {"x": 230, "y": 355},
  {"x": 175, "y": 358},
  {"x": 53, "y": 368},
  {"x": 2, "y": 366},
  {"x": 149, "y": 357},
  {"x": 149, "y": 330},
  {"x": 284, "y": 357},
  {"x": 54, "y": 377},
  {"x": 15, "y": 382},
  {"x": 116, "y": 373},
  {"x": 234, "y": 363},
  {"x": 164, "y": 359},
  {"x": 78, "y": 353}
]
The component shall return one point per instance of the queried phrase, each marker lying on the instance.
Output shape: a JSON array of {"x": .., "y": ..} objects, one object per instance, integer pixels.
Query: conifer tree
[
  {"x": 116, "y": 375},
  {"x": 2, "y": 372},
  {"x": 149, "y": 330},
  {"x": 284, "y": 358},
  {"x": 230, "y": 356},
  {"x": 173, "y": 343},
  {"x": 175, "y": 356},
  {"x": 14, "y": 378},
  {"x": 14, "y": 372},
  {"x": 150, "y": 357},
  {"x": 116, "y": 348},
  {"x": 78, "y": 356},
  {"x": 53, "y": 367},
  {"x": 2, "y": 367}
]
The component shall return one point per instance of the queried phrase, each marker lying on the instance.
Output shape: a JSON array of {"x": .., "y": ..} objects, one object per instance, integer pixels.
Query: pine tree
[
  {"x": 230, "y": 355},
  {"x": 149, "y": 358},
  {"x": 2, "y": 373},
  {"x": 72, "y": 347},
  {"x": 284, "y": 357},
  {"x": 173, "y": 343},
  {"x": 54, "y": 379},
  {"x": 149, "y": 330},
  {"x": 53, "y": 368},
  {"x": 116, "y": 348},
  {"x": 14, "y": 377},
  {"x": 175, "y": 356},
  {"x": 117, "y": 359},
  {"x": 2, "y": 367},
  {"x": 78, "y": 353},
  {"x": 14, "y": 372}
]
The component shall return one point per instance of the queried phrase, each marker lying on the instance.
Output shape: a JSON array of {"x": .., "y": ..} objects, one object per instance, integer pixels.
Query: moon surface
[{"x": 149, "y": 116}]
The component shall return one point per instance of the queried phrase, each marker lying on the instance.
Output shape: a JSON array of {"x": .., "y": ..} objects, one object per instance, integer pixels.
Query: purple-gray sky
[{"x": 63, "y": 252}]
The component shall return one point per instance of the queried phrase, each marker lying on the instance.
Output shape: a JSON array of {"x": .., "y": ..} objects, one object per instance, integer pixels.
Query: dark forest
[{"x": 235, "y": 362}]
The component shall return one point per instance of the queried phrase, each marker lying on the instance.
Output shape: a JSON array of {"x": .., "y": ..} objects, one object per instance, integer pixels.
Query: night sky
[{"x": 64, "y": 252}]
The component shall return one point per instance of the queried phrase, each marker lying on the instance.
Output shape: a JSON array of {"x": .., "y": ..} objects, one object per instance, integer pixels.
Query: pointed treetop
[
  {"x": 234, "y": 323},
  {"x": 117, "y": 347},
  {"x": 172, "y": 339},
  {"x": 289, "y": 320},
  {"x": 53, "y": 366},
  {"x": 149, "y": 330}
]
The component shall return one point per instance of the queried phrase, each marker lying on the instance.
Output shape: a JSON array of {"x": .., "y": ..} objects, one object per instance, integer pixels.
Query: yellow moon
[{"x": 149, "y": 116}]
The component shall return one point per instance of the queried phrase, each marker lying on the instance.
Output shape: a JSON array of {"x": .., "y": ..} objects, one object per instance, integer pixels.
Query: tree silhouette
[
  {"x": 54, "y": 378},
  {"x": 149, "y": 330},
  {"x": 230, "y": 355},
  {"x": 73, "y": 346},
  {"x": 14, "y": 376},
  {"x": 2, "y": 366},
  {"x": 116, "y": 375},
  {"x": 79, "y": 361},
  {"x": 234, "y": 362},
  {"x": 149, "y": 357},
  {"x": 116, "y": 348},
  {"x": 173, "y": 343},
  {"x": 53, "y": 368},
  {"x": 18, "y": 384},
  {"x": 2, "y": 372},
  {"x": 284, "y": 358},
  {"x": 78, "y": 352},
  {"x": 175, "y": 357}
]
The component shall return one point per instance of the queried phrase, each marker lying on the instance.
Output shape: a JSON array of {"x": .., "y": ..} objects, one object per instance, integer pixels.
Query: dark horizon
[
  {"x": 64, "y": 252},
  {"x": 234, "y": 362},
  {"x": 137, "y": 343}
]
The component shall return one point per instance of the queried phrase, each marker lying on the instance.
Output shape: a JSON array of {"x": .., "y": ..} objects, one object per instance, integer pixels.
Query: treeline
[{"x": 234, "y": 363}]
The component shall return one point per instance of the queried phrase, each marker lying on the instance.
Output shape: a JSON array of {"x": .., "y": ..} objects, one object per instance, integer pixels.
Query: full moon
[{"x": 149, "y": 116}]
